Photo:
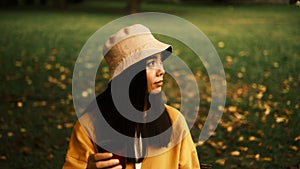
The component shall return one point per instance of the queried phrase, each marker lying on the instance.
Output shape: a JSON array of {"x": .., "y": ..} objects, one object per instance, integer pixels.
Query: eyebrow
[
  {"x": 155, "y": 56},
  {"x": 152, "y": 57}
]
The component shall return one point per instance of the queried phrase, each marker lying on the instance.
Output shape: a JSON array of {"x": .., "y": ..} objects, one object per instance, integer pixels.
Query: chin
[{"x": 155, "y": 91}]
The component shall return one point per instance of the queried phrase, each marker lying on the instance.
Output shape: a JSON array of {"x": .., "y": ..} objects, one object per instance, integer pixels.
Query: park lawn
[{"x": 258, "y": 46}]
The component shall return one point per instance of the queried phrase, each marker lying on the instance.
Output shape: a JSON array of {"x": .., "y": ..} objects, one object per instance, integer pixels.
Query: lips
[{"x": 159, "y": 83}]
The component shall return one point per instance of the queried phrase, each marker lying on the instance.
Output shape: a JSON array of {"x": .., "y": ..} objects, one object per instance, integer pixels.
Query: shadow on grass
[{"x": 97, "y": 7}]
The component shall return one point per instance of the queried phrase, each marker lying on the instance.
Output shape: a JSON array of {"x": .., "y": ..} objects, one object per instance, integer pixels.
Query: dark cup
[{"x": 118, "y": 150}]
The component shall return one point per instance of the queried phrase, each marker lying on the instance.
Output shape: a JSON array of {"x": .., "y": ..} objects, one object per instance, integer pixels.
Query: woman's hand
[{"x": 103, "y": 160}]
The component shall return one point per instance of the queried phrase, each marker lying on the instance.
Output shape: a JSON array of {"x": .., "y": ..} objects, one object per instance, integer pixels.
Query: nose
[{"x": 160, "y": 71}]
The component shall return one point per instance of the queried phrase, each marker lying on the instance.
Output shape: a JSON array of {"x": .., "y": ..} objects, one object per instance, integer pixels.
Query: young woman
[{"x": 152, "y": 134}]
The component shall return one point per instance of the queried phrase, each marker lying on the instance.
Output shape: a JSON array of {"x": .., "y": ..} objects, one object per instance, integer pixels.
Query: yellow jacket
[{"x": 181, "y": 155}]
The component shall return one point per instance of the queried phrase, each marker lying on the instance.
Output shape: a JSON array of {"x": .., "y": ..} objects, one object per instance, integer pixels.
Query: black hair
[{"x": 139, "y": 98}]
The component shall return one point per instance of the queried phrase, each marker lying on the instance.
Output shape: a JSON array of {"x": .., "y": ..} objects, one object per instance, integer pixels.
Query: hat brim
[{"x": 146, "y": 49}]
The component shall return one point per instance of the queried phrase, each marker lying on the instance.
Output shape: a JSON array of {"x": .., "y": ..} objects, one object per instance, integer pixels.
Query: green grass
[{"x": 260, "y": 55}]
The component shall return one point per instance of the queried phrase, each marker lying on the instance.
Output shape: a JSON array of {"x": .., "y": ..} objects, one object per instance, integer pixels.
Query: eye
[{"x": 151, "y": 63}]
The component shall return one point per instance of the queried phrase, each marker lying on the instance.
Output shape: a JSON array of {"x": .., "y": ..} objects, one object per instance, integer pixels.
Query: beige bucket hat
[{"x": 131, "y": 45}]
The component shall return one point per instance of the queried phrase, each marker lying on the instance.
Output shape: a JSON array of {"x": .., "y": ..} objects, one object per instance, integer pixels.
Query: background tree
[
  {"x": 134, "y": 6},
  {"x": 7, "y": 3}
]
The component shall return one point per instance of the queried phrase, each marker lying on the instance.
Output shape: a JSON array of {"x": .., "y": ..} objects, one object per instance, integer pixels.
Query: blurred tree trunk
[
  {"x": 43, "y": 2},
  {"x": 61, "y": 4},
  {"x": 134, "y": 6},
  {"x": 29, "y": 2}
]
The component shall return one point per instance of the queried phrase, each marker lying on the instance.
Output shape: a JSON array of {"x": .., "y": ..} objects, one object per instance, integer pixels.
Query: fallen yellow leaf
[
  {"x": 221, "y": 44},
  {"x": 297, "y": 138},
  {"x": 235, "y": 153},
  {"x": 252, "y": 138},
  {"x": 68, "y": 125},
  {"x": 280, "y": 119},
  {"x": 267, "y": 159},
  {"x": 221, "y": 161},
  {"x": 232, "y": 108},
  {"x": 295, "y": 148}
]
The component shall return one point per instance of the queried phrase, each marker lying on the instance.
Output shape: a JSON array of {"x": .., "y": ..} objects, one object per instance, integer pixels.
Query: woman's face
[{"x": 155, "y": 72}]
